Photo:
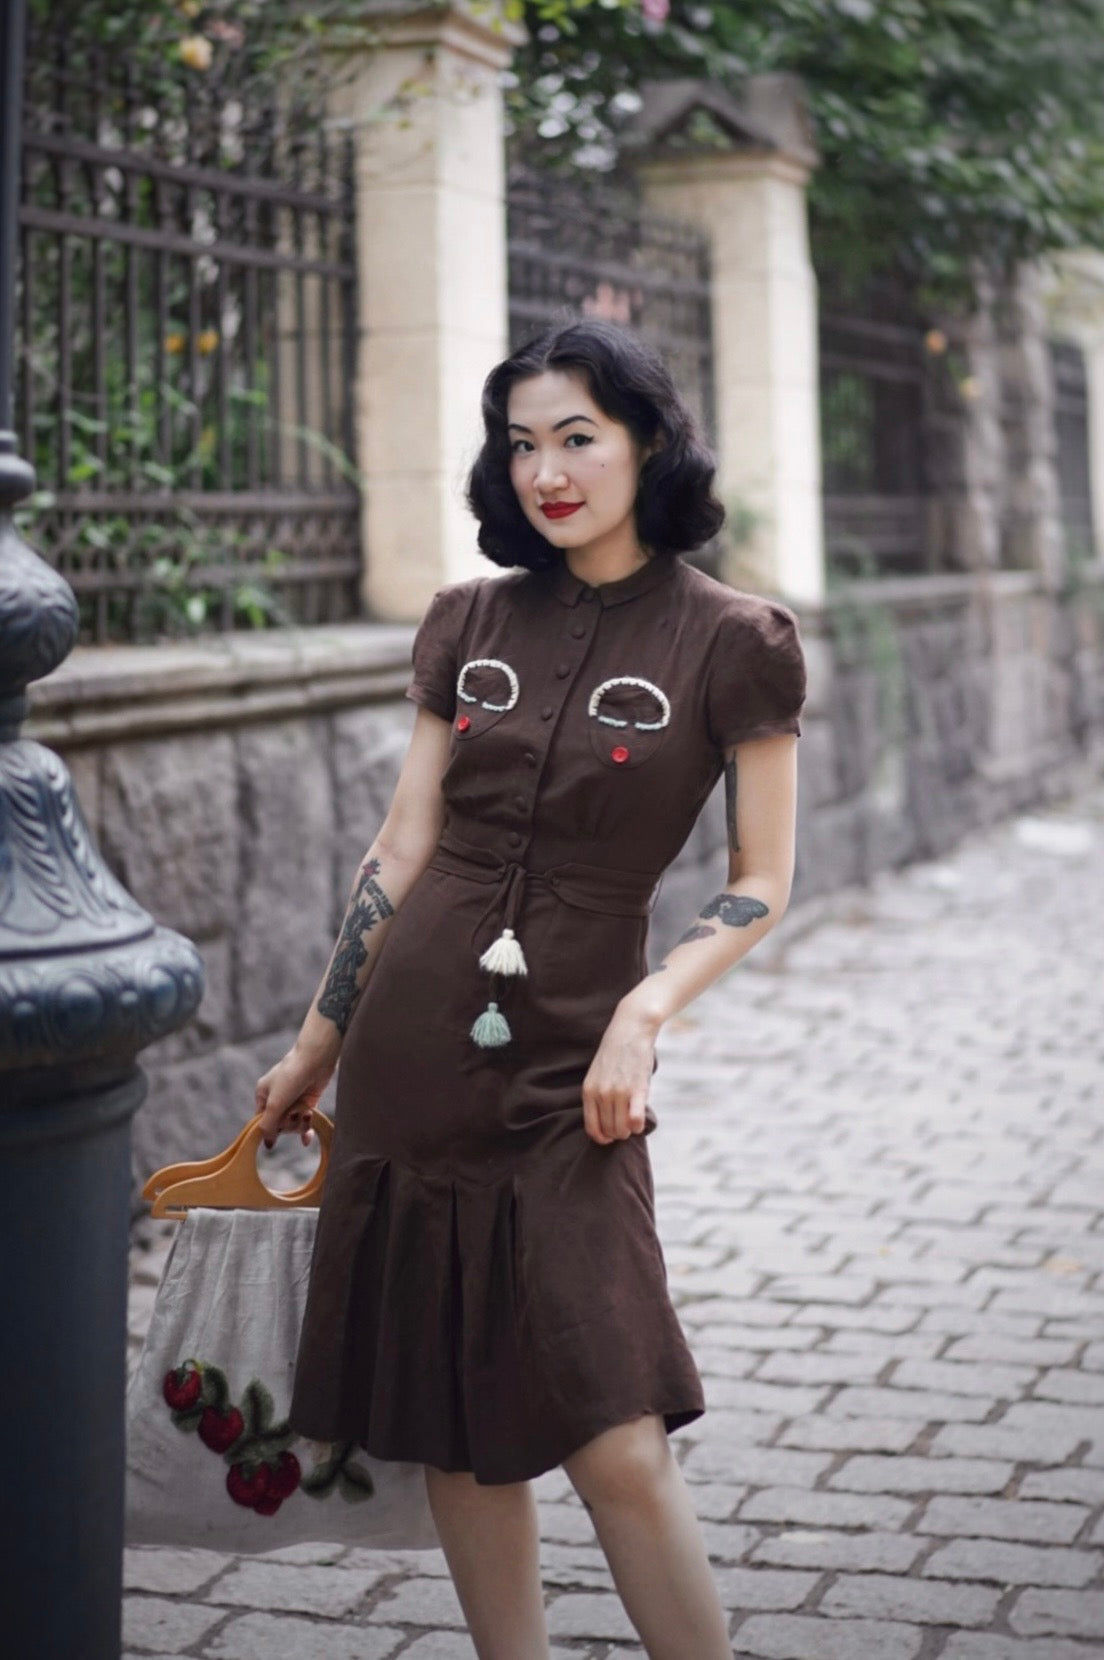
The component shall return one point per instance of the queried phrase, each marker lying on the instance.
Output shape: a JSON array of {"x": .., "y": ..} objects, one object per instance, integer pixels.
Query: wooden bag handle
[{"x": 231, "y": 1181}]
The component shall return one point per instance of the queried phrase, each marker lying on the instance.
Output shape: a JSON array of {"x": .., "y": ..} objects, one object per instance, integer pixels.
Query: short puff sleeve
[
  {"x": 756, "y": 674},
  {"x": 436, "y": 650}
]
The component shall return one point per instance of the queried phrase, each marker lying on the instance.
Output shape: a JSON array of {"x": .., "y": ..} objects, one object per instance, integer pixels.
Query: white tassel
[{"x": 504, "y": 955}]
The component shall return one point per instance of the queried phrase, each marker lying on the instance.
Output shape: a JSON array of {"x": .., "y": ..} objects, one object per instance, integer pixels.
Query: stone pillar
[
  {"x": 1074, "y": 289},
  {"x": 425, "y": 105},
  {"x": 747, "y": 189},
  {"x": 974, "y": 493},
  {"x": 1035, "y": 539},
  {"x": 1092, "y": 344}
]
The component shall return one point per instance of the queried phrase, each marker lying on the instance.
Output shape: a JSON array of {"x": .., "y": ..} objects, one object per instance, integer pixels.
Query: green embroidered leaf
[
  {"x": 216, "y": 1390},
  {"x": 258, "y": 1447},
  {"x": 355, "y": 1484},
  {"x": 319, "y": 1482},
  {"x": 188, "y": 1419},
  {"x": 257, "y": 1406}
]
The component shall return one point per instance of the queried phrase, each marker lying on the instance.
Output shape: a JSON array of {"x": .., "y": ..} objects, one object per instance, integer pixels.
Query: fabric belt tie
[{"x": 589, "y": 887}]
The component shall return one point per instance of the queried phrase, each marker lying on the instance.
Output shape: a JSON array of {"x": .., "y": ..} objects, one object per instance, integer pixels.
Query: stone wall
[{"x": 234, "y": 784}]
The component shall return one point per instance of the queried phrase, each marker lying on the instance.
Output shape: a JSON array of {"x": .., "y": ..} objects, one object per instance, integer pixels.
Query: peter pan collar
[{"x": 571, "y": 589}]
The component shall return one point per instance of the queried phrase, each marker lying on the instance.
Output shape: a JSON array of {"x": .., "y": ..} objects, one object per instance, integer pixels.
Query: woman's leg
[
  {"x": 642, "y": 1513},
  {"x": 491, "y": 1539}
]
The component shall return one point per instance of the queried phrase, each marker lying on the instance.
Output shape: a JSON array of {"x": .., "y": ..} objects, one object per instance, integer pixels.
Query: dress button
[
  {"x": 562, "y": 670},
  {"x": 588, "y": 593},
  {"x": 547, "y": 712},
  {"x": 520, "y": 803},
  {"x": 578, "y": 630},
  {"x": 514, "y": 838},
  {"x": 531, "y": 758}
]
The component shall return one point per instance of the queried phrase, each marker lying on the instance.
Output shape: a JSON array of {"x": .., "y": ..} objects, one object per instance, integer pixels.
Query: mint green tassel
[{"x": 491, "y": 1030}]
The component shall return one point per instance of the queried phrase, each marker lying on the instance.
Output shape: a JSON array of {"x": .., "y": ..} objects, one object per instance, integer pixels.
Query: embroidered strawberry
[
  {"x": 285, "y": 1477},
  {"x": 219, "y": 1430},
  {"x": 264, "y": 1489},
  {"x": 241, "y": 1486},
  {"x": 181, "y": 1387}
]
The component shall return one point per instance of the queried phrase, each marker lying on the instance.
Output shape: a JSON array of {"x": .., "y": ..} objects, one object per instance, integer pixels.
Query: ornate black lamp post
[{"x": 86, "y": 981}]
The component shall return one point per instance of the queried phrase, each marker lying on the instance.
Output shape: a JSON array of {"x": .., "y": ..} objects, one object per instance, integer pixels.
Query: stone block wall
[{"x": 235, "y": 789}]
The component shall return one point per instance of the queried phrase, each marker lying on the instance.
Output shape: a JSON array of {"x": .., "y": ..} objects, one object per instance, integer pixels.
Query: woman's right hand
[{"x": 288, "y": 1094}]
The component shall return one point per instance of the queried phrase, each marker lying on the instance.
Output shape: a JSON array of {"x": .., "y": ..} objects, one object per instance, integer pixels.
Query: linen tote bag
[{"x": 210, "y": 1457}]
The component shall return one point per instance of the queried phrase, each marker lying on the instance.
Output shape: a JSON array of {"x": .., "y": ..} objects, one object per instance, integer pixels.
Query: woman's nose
[{"x": 548, "y": 476}]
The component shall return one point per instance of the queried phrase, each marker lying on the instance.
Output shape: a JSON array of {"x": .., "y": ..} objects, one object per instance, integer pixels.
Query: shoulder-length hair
[{"x": 676, "y": 510}]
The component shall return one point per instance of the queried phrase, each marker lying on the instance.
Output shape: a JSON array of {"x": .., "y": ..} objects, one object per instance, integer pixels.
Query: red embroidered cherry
[
  {"x": 284, "y": 1479},
  {"x": 463, "y": 723},
  {"x": 219, "y": 1430},
  {"x": 619, "y": 753},
  {"x": 181, "y": 1388}
]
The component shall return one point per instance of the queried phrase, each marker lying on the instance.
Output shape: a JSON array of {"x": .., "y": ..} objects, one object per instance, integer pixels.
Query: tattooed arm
[
  {"x": 403, "y": 848},
  {"x": 760, "y": 781},
  {"x": 761, "y": 809}
]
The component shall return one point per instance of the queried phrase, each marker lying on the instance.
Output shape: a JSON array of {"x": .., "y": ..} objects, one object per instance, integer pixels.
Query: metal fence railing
[
  {"x": 873, "y": 370},
  {"x": 186, "y": 310},
  {"x": 597, "y": 251}
]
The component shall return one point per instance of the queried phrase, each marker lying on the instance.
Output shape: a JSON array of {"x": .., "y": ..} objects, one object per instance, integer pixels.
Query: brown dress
[{"x": 487, "y": 1290}]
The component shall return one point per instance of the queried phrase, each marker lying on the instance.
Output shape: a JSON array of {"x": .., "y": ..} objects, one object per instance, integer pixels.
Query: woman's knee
[{"x": 626, "y": 1465}]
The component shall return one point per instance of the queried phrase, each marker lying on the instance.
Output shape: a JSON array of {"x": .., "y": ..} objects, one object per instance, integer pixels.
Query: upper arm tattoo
[
  {"x": 368, "y": 905},
  {"x": 735, "y": 910},
  {"x": 730, "y": 803}
]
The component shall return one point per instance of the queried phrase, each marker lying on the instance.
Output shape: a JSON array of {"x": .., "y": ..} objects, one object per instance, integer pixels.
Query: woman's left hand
[{"x": 615, "y": 1089}]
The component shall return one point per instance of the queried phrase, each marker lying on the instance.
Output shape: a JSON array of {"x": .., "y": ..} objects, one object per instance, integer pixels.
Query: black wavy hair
[{"x": 676, "y": 510}]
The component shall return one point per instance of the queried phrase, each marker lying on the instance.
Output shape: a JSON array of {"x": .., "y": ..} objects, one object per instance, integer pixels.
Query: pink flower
[
  {"x": 656, "y": 11},
  {"x": 232, "y": 33}
]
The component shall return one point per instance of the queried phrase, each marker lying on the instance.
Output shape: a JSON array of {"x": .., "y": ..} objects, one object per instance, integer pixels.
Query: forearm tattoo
[
  {"x": 735, "y": 910},
  {"x": 368, "y": 905},
  {"x": 697, "y": 932},
  {"x": 730, "y": 803}
]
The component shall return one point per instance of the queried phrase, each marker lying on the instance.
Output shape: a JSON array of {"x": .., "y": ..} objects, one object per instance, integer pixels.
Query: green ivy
[{"x": 953, "y": 133}]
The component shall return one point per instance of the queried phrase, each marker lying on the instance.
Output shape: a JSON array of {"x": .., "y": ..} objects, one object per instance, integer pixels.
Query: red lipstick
[{"x": 560, "y": 509}]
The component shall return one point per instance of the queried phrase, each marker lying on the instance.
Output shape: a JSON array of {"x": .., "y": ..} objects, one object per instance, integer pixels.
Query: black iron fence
[
  {"x": 186, "y": 316},
  {"x": 874, "y": 369},
  {"x": 1071, "y": 419},
  {"x": 595, "y": 250}
]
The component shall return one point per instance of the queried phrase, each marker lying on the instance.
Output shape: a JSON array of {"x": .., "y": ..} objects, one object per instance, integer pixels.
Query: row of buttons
[{"x": 578, "y": 632}]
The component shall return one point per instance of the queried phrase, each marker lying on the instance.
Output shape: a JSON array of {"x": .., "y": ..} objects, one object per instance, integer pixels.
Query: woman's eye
[
  {"x": 583, "y": 437},
  {"x": 515, "y": 447}
]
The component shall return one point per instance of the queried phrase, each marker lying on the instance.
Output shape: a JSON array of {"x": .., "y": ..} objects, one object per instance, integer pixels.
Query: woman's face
[{"x": 575, "y": 470}]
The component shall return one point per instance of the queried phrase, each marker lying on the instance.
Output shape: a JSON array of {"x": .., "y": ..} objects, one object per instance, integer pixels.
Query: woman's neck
[{"x": 606, "y": 561}]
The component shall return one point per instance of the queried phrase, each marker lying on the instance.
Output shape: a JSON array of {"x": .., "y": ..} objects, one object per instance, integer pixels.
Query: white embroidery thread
[
  {"x": 489, "y": 663},
  {"x": 661, "y": 698}
]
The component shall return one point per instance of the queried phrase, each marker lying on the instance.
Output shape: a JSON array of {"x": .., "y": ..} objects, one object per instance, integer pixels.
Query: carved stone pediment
[{"x": 770, "y": 115}]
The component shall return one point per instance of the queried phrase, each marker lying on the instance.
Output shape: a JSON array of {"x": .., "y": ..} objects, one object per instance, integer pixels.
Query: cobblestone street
[{"x": 880, "y": 1180}]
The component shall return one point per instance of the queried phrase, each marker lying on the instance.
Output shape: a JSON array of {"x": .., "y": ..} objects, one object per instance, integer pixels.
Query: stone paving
[{"x": 880, "y": 1183}]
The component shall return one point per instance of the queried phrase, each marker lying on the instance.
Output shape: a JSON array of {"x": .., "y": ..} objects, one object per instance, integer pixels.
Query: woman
[{"x": 488, "y": 1295}]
